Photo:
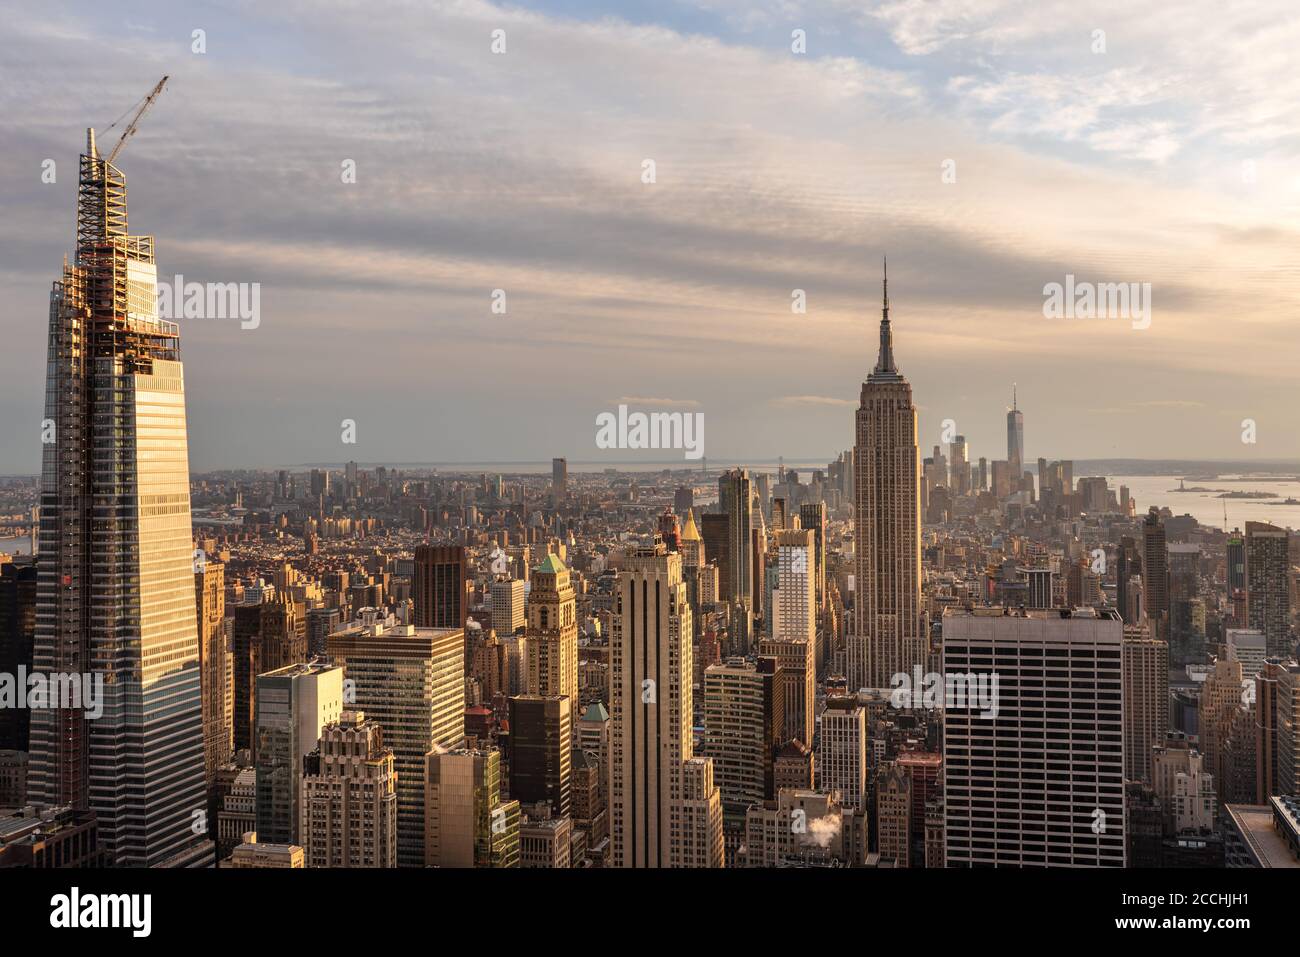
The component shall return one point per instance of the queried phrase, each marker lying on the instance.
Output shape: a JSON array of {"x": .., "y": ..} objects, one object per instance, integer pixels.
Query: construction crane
[{"x": 135, "y": 120}]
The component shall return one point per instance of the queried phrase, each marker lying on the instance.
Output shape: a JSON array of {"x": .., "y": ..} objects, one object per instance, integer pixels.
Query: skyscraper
[
  {"x": 560, "y": 479},
  {"x": 412, "y": 682},
  {"x": 1051, "y": 747},
  {"x": 735, "y": 495},
  {"x": 1268, "y": 591},
  {"x": 17, "y": 632},
  {"x": 541, "y": 750},
  {"x": 1155, "y": 574},
  {"x": 1146, "y": 700},
  {"x": 214, "y": 663},
  {"x": 743, "y": 727},
  {"x": 294, "y": 704},
  {"x": 664, "y": 807},
  {"x": 842, "y": 751},
  {"x": 439, "y": 586},
  {"x": 115, "y": 592},
  {"x": 1015, "y": 441},
  {"x": 349, "y": 797},
  {"x": 887, "y": 636},
  {"x": 552, "y": 623},
  {"x": 467, "y": 823}
]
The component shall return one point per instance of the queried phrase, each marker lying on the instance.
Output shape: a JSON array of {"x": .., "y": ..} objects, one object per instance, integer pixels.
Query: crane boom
[{"x": 135, "y": 120}]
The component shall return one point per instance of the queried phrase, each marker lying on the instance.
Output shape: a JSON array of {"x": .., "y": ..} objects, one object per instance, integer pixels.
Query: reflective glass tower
[{"x": 115, "y": 588}]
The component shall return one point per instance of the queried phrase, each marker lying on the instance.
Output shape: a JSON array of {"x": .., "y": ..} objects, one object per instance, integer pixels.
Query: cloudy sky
[{"x": 1163, "y": 149}]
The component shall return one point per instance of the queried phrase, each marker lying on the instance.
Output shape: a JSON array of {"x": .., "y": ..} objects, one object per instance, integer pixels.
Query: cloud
[
  {"x": 662, "y": 403},
  {"x": 775, "y": 172},
  {"x": 814, "y": 400}
]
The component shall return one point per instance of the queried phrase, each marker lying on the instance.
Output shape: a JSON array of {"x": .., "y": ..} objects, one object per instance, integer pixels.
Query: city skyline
[
  {"x": 948, "y": 634},
  {"x": 687, "y": 282}
]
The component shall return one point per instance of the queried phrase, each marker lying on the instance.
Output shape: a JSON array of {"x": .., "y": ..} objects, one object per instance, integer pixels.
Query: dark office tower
[
  {"x": 560, "y": 479},
  {"x": 267, "y": 636},
  {"x": 17, "y": 632},
  {"x": 812, "y": 515},
  {"x": 1268, "y": 597},
  {"x": 115, "y": 579},
  {"x": 1236, "y": 556},
  {"x": 439, "y": 592},
  {"x": 1155, "y": 574},
  {"x": 1015, "y": 440},
  {"x": 735, "y": 494},
  {"x": 887, "y": 636},
  {"x": 717, "y": 549},
  {"x": 541, "y": 746},
  {"x": 778, "y": 514},
  {"x": 1125, "y": 557},
  {"x": 683, "y": 501},
  {"x": 669, "y": 531},
  {"x": 982, "y": 475},
  {"x": 744, "y": 726},
  {"x": 214, "y": 665}
]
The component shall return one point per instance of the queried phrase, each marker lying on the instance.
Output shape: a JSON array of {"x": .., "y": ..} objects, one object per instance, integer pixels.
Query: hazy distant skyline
[{"x": 1168, "y": 159}]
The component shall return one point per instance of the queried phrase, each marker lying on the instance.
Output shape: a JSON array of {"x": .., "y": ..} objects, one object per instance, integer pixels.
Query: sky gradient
[{"x": 1171, "y": 158}]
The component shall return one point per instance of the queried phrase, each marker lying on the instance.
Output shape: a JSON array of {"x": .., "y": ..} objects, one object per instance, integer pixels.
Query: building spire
[
  {"x": 1013, "y": 397},
  {"x": 885, "y": 364}
]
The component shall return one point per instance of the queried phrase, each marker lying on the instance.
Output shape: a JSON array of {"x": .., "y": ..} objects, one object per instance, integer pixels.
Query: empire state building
[{"x": 887, "y": 636}]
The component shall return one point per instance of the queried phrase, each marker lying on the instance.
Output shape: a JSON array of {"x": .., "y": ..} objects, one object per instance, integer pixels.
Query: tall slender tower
[
  {"x": 116, "y": 569},
  {"x": 1016, "y": 440},
  {"x": 888, "y": 637}
]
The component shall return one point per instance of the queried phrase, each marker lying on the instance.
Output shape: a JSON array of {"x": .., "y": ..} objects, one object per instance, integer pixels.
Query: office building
[
  {"x": 654, "y": 780},
  {"x": 294, "y": 704},
  {"x": 735, "y": 496},
  {"x": 541, "y": 750},
  {"x": 349, "y": 797},
  {"x": 743, "y": 728},
  {"x": 411, "y": 681},
  {"x": 1146, "y": 700},
  {"x": 439, "y": 587},
  {"x": 1268, "y": 587},
  {"x": 1037, "y": 780},
  {"x": 467, "y": 823},
  {"x": 842, "y": 751},
  {"x": 506, "y": 602}
]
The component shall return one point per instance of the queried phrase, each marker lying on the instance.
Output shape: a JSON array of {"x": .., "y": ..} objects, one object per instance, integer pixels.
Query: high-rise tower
[
  {"x": 665, "y": 810},
  {"x": 116, "y": 570},
  {"x": 887, "y": 636},
  {"x": 1016, "y": 440}
]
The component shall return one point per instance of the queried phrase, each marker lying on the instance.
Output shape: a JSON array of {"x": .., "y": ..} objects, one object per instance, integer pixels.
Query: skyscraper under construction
[{"x": 115, "y": 590}]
